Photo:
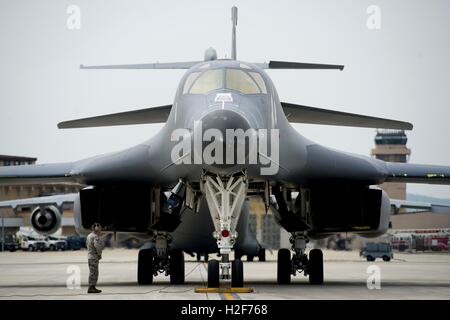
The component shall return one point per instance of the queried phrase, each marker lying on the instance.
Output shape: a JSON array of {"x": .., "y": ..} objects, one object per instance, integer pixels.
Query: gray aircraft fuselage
[{"x": 301, "y": 160}]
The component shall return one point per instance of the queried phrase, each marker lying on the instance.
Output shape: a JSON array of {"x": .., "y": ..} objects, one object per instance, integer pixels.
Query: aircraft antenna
[{"x": 234, "y": 17}]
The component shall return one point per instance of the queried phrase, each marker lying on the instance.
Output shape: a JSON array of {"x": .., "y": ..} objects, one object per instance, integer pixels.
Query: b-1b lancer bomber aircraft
[{"x": 226, "y": 137}]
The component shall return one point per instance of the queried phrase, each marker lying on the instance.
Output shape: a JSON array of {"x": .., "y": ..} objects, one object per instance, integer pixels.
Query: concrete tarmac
[{"x": 56, "y": 275}]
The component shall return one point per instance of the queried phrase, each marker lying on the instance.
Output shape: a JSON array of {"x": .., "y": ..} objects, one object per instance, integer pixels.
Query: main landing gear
[
  {"x": 225, "y": 197},
  {"x": 311, "y": 266},
  {"x": 159, "y": 259}
]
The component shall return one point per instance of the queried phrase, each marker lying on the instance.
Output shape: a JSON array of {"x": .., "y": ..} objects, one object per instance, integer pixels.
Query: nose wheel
[
  {"x": 213, "y": 274},
  {"x": 237, "y": 274}
]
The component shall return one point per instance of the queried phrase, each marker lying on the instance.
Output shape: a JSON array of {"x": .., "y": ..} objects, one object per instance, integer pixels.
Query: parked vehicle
[
  {"x": 374, "y": 250},
  {"x": 433, "y": 242},
  {"x": 402, "y": 241},
  {"x": 54, "y": 243},
  {"x": 10, "y": 244},
  {"x": 75, "y": 242},
  {"x": 33, "y": 244}
]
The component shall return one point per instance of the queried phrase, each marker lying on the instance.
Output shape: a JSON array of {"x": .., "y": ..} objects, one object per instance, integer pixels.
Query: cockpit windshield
[
  {"x": 208, "y": 81},
  {"x": 245, "y": 82}
]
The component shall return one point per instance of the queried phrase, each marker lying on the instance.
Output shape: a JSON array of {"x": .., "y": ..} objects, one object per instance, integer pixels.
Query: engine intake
[{"x": 46, "y": 220}]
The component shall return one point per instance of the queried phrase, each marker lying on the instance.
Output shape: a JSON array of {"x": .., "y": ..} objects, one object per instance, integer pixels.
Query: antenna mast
[{"x": 233, "y": 39}]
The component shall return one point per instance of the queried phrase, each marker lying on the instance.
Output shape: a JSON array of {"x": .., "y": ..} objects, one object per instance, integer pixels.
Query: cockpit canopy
[{"x": 242, "y": 81}]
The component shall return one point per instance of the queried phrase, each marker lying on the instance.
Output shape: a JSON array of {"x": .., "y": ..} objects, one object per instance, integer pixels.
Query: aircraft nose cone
[
  {"x": 224, "y": 119},
  {"x": 227, "y": 146}
]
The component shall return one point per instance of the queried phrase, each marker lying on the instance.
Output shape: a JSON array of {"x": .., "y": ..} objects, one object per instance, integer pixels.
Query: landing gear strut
[
  {"x": 299, "y": 262},
  {"x": 225, "y": 197}
]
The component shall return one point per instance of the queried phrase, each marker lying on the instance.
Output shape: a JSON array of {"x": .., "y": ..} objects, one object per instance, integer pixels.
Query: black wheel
[
  {"x": 262, "y": 255},
  {"x": 176, "y": 263},
  {"x": 284, "y": 266},
  {"x": 237, "y": 274},
  {"x": 145, "y": 266},
  {"x": 250, "y": 257},
  {"x": 238, "y": 254},
  {"x": 213, "y": 274},
  {"x": 206, "y": 257},
  {"x": 386, "y": 258},
  {"x": 315, "y": 266},
  {"x": 370, "y": 258},
  {"x": 52, "y": 248},
  {"x": 199, "y": 257}
]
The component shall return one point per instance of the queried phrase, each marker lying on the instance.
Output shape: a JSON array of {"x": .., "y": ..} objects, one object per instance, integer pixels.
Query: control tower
[{"x": 390, "y": 145}]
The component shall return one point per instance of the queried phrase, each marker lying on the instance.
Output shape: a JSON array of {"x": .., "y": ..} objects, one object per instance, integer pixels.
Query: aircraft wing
[
  {"x": 304, "y": 114},
  {"x": 417, "y": 173},
  {"x": 404, "y": 204},
  {"x": 148, "y": 115},
  {"x": 56, "y": 200},
  {"x": 297, "y": 65},
  {"x": 157, "y": 65},
  {"x": 40, "y": 173}
]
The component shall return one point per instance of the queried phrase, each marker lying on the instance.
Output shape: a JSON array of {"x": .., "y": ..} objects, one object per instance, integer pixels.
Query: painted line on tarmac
[{"x": 229, "y": 296}]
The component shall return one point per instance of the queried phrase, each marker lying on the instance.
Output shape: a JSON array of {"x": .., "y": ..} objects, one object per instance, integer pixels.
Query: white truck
[
  {"x": 28, "y": 243},
  {"x": 54, "y": 243}
]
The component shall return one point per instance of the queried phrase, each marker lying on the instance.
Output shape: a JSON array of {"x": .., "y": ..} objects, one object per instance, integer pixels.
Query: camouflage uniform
[{"x": 95, "y": 247}]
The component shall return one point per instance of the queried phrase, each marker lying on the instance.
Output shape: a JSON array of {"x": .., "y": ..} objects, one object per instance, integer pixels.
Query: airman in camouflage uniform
[{"x": 94, "y": 246}]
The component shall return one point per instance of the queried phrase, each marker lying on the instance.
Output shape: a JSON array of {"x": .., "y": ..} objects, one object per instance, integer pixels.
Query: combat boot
[{"x": 93, "y": 289}]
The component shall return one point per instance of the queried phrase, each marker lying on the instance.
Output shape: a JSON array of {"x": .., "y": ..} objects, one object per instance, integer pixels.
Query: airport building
[{"x": 390, "y": 145}]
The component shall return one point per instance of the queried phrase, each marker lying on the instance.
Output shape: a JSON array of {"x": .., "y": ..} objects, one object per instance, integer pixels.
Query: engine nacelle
[
  {"x": 362, "y": 211},
  {"x": 77, "y": 218},
  {"x": 385, "y": 216},
  {"x": 46, "y": 220},
  {"x": 132, "y": 209},
  {"x": 329, "y": 210}
]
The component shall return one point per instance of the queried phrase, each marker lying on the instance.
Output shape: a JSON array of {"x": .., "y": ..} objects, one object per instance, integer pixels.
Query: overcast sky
[{"x": 399, "y": 71}]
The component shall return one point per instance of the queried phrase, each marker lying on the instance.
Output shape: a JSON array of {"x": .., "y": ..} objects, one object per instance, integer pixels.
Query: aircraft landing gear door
[{"x": 225, "y": 197}]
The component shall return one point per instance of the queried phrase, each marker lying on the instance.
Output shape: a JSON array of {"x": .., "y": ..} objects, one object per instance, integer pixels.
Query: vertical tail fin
[{"x": 234, "y": 17}]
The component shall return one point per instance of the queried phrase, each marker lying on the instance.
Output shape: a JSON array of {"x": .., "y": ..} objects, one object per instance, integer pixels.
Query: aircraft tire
[
  {"x": 176, "y": 263},
  {"x": 237, "y": 274},
  {"x": 145, "y": 267},
  {"x": 213, "y": 273},
  {"x": 284, "y": 265},
  {"x": 238, "y": 254},
  {"x": 315, "y": 266},
  {"x": 262, "y": 255}
]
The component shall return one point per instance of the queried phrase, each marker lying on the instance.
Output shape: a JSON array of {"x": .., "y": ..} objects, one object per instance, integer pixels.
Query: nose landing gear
[{"x": 225, "y": 197}]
